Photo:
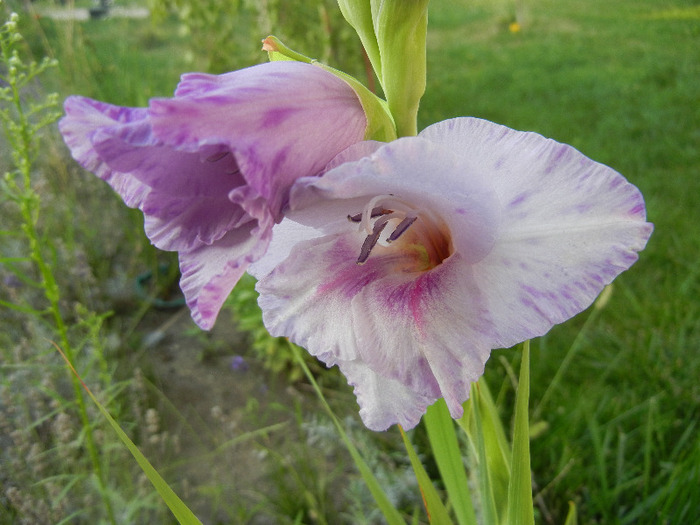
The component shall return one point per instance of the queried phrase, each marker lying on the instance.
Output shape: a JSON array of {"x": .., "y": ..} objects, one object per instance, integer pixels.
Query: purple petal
[
  {"x": 84, "y": 117},
  {"x": 188, "y": 204},
  {"x": 184, "y": 196},
  {"x": 209, "y": 273},
  {"x": 282, "y": 120},
  {"x": 211, "y": 168}
]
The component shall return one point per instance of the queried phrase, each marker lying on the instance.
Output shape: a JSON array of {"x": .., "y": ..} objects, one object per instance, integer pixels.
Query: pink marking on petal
[{"x": 415, "y": 301}]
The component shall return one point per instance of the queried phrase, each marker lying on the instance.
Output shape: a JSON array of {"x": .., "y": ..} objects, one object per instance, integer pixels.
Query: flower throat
[{"x": 417, "y": 230}]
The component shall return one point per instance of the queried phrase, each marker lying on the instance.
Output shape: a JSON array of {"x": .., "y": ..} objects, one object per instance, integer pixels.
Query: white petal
[
  {"x": 569, "y": 225},
  {"x": 383, "y": 401}
]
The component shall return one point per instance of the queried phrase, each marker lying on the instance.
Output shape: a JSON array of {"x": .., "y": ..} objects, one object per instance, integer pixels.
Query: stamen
[
  {"x": 371, "y": 241},
  {"x": 376, "y": 212},
  {"x": 368, "y": 213},
  {"x": 401, "y": 228}
]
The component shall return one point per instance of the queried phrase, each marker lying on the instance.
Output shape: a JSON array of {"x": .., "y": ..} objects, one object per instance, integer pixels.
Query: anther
[
  {"x": 401, "y": 228},
  {"x": 370, "y": 242}
]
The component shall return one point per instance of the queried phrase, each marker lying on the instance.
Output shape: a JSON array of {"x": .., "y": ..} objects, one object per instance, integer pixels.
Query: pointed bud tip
[{"x": 269, "y": 44}]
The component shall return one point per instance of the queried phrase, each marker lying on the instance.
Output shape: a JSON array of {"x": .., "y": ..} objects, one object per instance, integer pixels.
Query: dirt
[{"x": 212, "y": 395}]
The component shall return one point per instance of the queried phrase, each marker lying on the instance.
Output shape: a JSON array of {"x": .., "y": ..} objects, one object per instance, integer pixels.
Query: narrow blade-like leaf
[
  {"x": 443, "y": 441},
  {"x": 437, "y": 513},
  {"x": 520, "y": 508},
  {"x": 181, "y": 511}
]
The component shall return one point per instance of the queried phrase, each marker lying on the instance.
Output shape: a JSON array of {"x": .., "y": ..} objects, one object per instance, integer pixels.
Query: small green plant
[
  {"x": 60, "y": 458},
  {"x": 23, "y": 117}
]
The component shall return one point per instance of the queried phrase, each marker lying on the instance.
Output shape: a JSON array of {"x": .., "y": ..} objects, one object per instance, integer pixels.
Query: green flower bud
[{"x": 393, "y": 33}]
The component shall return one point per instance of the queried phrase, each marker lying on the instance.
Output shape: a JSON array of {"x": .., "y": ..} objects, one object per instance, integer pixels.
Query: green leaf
[
  {"x": 22, "y": 309},
  {"x": 488, "y": 503},
  {"x": 181, "y": 511},
  {"x": 571, "y": 518},
  {"x": 520, "y": 507},
  {"x": 390, "y": 513},
  {"x": 498, "y": 451},
  {"x": 437, "y": 513},
  {"x": 484, "y": 428},
  {"x": 443, "y": 441}
]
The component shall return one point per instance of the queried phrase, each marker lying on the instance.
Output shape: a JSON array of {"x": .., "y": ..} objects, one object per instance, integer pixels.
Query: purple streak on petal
[
  {"x": 84, "y": 117},
  {"x": 518, "y": 200},
  {"x": 209, "y": 273},
  {"x": 281, "y": 120}
]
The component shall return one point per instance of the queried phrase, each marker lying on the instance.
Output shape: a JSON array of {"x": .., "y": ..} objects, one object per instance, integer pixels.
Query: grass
[{"x": 618, "y": 80}]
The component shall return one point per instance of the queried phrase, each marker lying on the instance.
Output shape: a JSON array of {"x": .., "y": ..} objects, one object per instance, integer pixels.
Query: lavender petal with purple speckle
[{"x": 513, "y": 234}]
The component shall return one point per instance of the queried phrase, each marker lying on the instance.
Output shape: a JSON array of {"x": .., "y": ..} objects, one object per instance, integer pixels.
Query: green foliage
[
  {"x": 181, "y": 512},
  {"x": 448, "y": 456},
  {"x": 65, "y": 475},
  {"x": 227, "y": 34}
]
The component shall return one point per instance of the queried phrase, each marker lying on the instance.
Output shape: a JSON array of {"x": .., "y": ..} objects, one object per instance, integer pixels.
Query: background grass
[{"x": 618, "y": 79}]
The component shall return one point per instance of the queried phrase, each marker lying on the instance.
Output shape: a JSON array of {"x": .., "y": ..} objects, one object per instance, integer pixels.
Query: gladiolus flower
[
  {"x": 406, "y": 263},
  {"x": 211, "y": 167}
]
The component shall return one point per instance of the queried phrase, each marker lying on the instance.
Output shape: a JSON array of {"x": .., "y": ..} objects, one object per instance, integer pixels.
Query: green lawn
[{"x": 617, "y": 79}]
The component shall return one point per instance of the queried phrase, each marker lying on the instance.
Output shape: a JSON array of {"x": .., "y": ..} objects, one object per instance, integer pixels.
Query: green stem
[{"x": 51, "y": 292}]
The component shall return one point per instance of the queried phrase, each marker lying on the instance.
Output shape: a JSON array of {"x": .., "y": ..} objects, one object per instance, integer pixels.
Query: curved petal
[
  {"x": 430, "y": 331},
  {"x": 84, "y": 117},
  {"x": 188, "y": 204},
  {"x": 342, "y": 312},
  {"x": 282, "y": 121},
  {"x": 296, "y": 303},
  {"x": 209, "y": 273},
  {"x": 569, "y": 225},
  {"x": 383, "y": 401},
  {"x": 183, "y": 195}
]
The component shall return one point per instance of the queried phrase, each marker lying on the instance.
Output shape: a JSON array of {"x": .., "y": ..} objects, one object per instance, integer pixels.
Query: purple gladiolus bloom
[
  {"x": 211, "y": 167},
  {"x": 407, "y": 262}
]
